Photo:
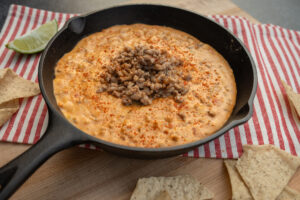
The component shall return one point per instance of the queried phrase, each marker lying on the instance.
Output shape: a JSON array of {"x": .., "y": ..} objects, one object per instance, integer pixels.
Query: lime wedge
[{"x": 36, "y": 40}]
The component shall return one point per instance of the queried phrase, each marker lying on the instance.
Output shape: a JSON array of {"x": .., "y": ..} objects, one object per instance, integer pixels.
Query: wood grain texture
[{"x": 79, "y": 173}]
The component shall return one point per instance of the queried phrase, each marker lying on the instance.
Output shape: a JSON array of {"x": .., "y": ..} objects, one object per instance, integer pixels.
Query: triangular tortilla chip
[
  {"x": 13, "y": 87},
  {"x": 293, "y": 97},
  {"x": 266, "y": 170},
  {"x": 178, "y": 187},
  {"x": 289, "y": 194},
  {"x": 238, "y": 187},
  {"x": 7, "y": 109}
]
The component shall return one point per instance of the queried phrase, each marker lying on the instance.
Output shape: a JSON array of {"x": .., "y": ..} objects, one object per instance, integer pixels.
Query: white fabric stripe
[
  {"x": 289, "y": 57},
  {"x": 29, "y": 67},
  {"x": 191, "y": 153},
  {"x": 212, "y": 149},
  {"x": 223, "y": 147},
  {"x": 264, "y": 95},
  {"x": 259, "y": 114},
  {"x": 284, "y": 61},
  {"x": 275, "y": 84},
  {"x": 243, "y": 134},
  {"x": 233, "y": 144},
  {"x": 201, "y": 151}
]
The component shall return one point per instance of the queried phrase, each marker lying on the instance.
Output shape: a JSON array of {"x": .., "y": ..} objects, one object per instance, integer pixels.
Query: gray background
[{"x": 285, "y": 13}]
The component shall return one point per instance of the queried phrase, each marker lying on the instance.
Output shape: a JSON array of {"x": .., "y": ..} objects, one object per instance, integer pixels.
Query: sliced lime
[{"x": 36, "y": 40}]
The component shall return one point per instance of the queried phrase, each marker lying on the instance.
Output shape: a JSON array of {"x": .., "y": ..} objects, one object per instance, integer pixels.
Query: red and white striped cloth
[{"x": 275, "y": 50}]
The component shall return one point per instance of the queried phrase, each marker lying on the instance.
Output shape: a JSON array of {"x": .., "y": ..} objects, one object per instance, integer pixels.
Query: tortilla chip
[
  {"x": 266, "y": 170},
  {"x": 289, "y": 194},
  {"x": 7, "y": 109},
  {"x": 164, "y": 195},
  {"x": 293, "y": 97},
  {"x": 13, "y": 87},
  {"x": 178, "y": 187},
  {"x": 238, "y": 187}
]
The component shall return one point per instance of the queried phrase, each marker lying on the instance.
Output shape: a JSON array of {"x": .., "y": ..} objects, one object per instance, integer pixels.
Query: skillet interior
[{"x": 202, "y": 28}]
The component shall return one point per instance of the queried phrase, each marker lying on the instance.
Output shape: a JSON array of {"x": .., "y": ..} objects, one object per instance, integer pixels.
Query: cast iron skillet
[{"x": 61, "y": 134}]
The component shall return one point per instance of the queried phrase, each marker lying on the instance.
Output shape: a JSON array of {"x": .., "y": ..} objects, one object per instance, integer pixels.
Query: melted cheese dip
[{"x": 205, "y": 109}]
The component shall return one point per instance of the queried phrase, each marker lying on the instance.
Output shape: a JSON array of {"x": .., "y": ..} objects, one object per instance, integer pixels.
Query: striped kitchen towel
[{"x": 275, "y": 50}]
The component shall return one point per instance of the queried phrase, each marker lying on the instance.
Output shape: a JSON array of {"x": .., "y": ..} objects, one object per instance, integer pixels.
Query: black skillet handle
[{"x": 57, "y": 137}]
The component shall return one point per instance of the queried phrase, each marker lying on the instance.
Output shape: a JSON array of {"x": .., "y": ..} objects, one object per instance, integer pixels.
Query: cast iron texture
[{"x": 61, "y": 134}]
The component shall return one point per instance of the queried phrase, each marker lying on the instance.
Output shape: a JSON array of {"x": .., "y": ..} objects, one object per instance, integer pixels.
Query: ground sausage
[{"x": 142, "y": 74}]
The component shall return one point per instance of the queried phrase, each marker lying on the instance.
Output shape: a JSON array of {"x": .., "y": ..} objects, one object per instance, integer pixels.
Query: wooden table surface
[{"x": 79, "y": 173}]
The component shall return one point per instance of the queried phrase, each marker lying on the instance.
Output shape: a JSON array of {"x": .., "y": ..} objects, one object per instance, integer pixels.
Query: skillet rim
[{"x": 170, "y": 149}]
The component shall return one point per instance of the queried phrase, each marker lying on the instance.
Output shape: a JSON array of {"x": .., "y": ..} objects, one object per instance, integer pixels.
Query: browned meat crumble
[{"x": 142, "y": 74}]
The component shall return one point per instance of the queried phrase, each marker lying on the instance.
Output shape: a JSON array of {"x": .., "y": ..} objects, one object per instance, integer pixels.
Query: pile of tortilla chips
[
  {"x": 170, "y": 188},
  {"x": 263, "y": 172},
  {"x": 12, "y": 88}
]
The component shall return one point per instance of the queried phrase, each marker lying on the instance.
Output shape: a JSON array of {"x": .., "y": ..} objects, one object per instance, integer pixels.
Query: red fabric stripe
[
  {"x": 260, "y": 97},
  {"x": 185, "y": 154},
  {"x": 196, "y": 152},
  {"x": 277, "y": 77},
  {"x": 254, "y": 116},
  {"x": 59, "y": 18},
  {"x": 8, "y": 28},
  {"x": 280, "y": 59},
  {"x": 68, "y": 17},
  {"x": 228, "y": 145},
  {"x": 206, "y": 150},
  {"x": 217, "y": 148},
  {"x": 276, "y": 120},
  {"x": 291, "y": 53}
]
